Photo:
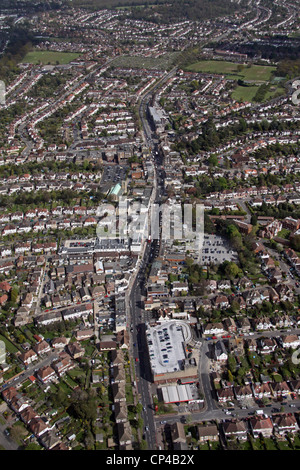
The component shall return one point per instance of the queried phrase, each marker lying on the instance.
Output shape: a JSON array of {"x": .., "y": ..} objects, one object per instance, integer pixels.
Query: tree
[
  {"x": 232, "y": 270},
  {"x": 138, "y": 408},
  {"x": 59, "y": 399},
  {"x": 295, "y": 242},
  {"x": 83, "y": 405},
  {"x": 254, "y": 219},
  {"x": 143, "y": 445},
  {"x": 235, "y": 306},
  {"x": 189, "y": 262},
  {"x": 213, "y": 160}
]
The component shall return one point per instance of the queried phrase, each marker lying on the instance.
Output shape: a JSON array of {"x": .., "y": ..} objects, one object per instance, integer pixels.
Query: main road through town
[{"x": 137, "y": 315}]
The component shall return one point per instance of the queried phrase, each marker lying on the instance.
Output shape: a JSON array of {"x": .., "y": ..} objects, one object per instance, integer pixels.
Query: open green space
[
  {"x": 233, "y": 70},
  {"x": 247, "y": 93},
  {"x": 49, "y": 57},
  {"x": 273, "y": 93},
  {"x": 244, "y": 93}
]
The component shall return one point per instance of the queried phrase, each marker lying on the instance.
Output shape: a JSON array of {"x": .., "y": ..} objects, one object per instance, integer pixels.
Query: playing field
[
  {"x": 50, "y": 57},
  {"x": 247, "y": 93},
  {"x": 231, "y": 70},
  {"x": 242, "y": 93}
]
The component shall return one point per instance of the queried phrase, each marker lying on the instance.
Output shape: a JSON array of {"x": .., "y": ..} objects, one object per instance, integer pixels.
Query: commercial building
[{"x": 170, "y": 355}]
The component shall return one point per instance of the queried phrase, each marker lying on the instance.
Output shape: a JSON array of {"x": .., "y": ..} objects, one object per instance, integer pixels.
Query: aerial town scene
[{"x": 150, "y": 225}]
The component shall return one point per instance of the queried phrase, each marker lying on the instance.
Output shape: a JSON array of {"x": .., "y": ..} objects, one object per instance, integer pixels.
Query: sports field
[
  {"x": 261, "y": 73},
  {"x": 242, "y": 93},
  {"x": 50, "y": 57}
]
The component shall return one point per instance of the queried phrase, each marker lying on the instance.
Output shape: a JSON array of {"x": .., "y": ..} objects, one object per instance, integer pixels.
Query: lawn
[
  {"x": 71, "y": 383},
  {"x": 255, "y": 73},
  {"x": 258, "y": 444},
  {"x": 284, "y": 233},
  {"x": 8, "y": 345},
  {"x": 258, "y": 72},
  {"x": 277, "y": 377},
  {"x": 50, "y": 57},
  {"x": 244, "y": 445},
  {"x": 283, "y": 445},
  {"x": 18, "y": 432},
  {"x": 77, "y": 374},
  {"x": 64, "y": 387},
  {"x": 244, "y": 93},
  {"x": 204, "y": 446},
  {"x": 129, "y": 394},
  {"x": 275, "y": 92},
  {"x": 297, "y": 442}
]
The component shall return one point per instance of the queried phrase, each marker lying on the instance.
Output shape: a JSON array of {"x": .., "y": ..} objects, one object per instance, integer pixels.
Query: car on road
[{"x": 163, "y": 422}]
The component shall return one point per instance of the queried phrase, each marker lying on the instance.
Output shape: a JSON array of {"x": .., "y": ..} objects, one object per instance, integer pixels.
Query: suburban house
[
  {"x": 262, "y": 390},
  {"x": 120, "y": 412},
  {"x": 235, "y": 429},
  {"x": 46, "y": 374},
  {"x": 285, "y": 423},
  {"x": 221, "y": 353},
  {"x": 280, "y": 389},
  {"x": 290, "y": 341},
  {"x": 261, "y": 425},
  {"x": 38, "y": 426},
  {"x": 124, "y": 435},
  {"x": 28, "y": 357},
  {"x": 225, "y": 394},
  {"x": 118, "y": 392},
  {"x": 243, "y": 392},
  {"x": 178, "y": 436},
  {"x": 208, "y": 432},
  {"x": 215, "y": 329}
]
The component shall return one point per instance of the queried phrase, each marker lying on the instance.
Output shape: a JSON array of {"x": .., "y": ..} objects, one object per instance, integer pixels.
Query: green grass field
[
  {"x": 247, "y": 93},
  {"x": 277, "y": 92},
  {"x": 256, "y": 73},
  {"x": 50, "y": 57},
  {"x": 244, "y": 93}
]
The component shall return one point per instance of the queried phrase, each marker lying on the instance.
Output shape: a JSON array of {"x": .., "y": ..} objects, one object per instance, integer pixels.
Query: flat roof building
[
  {"x": 180, "y": 393},
  {"x": 170, "y": 358}
]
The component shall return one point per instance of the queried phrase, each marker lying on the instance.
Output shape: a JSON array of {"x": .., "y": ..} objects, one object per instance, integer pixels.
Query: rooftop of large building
[{"x": 167, "y": 346}]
